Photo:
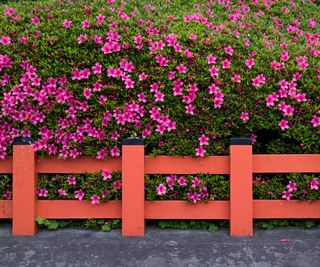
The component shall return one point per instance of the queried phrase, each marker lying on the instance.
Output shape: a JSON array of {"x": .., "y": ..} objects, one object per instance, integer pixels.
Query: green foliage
[
  {"x": 210, "y": 226},
  {"x": 105, "y": 225},
  {"x": 271, "y": 224}
]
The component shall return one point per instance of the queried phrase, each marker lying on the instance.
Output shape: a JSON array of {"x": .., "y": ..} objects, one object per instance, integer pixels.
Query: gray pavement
[{"x": 161, "y": 247}]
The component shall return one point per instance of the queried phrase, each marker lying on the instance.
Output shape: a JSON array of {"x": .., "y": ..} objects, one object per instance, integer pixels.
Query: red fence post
[
  {"x": 24, "y": 188},
  {"x": 133, "y": 187},
  {"x": 241, "y": 202}
]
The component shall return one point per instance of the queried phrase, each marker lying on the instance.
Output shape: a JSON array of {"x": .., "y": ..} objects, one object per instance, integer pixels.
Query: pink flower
[
  {"x": 67, "y": 23},
  {"x": 203, "y": 140},
  {"x": 182, "y": 181},
  {"x": 270, "y": 100},
  {"x": 286, "y": 194},
  {"x": 190, "y": 109},
  {"x": 5, "y": 40},
  {"x": 250, "y": 63},
  {"x": 71, "y": 181},
  {"x": 211, "y": 59},
  {"x": 79, "y": 194},
  {"x": 244, "y": 116},
  {"x": 100, "y": 19},
  {"x": 236, "y": 78},
  {"x": 284, "y": 124},
  {"x": 35, "y": 20},
  {"x": 229, "y": 50},
  {"x": 226, "y": 64},
  {"x": 115, "y": 152},
  {"x": 195, "y": 197},
  {"x": 87, "y": 92},
  {"x": 41, "y": 192},
  {"x": 86, "y": 24},
  {"x": 117, "y": 185},
  {"x": 95, "y": 199},
  {"x": 106, "y": 174},
  {"x": 200, "y": 152},
  {"x": 292, "y": 186},
  {"x": 314, "y": 184},
  {"x": 7, "y": 195},
  {"x": 196, "y": 182},
  {"x": 285, "y": 56},
  {"x": 62, "y": 192},
  {"x": 161, "y": 190},
  {"x": 315, "y": 121}
]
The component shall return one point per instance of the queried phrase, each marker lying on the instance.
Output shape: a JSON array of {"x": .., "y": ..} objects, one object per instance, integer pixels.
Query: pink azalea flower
[
  {"x": 5, "y": 40},
  {"x": 67, "y": 23},
  {"x": 286, "y": 194},
  {"x": 229, "y": 50},
  {"x": 190, "y": 109},
  {"x": 7, "y": 195},
  {"x": 115, "y": 152},
  {"x": 182, "y": 181},
  {"x": 41, "y": 192},
  {"x": 292, "y": 186},
  {"x": 104, "y": 193},
  {"x": 284, "y": 125},
  {"x": 71, "y": 181},
  {"x": 236, "y": 78},
  {"x": 314, "y": 184},
  {"x": 196, "y": 182},
  {"x": 226, "y": 64},
  {"x": 315, "y": 121},
  {"x": 250, "y": 63},
  {"x": 35, "y": 20},
  {"x": 203, "y": 140},
  {"x": 161, "y": 190},
  {"x": 79, "y": 194},
  {"x": 62, "y": 192},
  {"x": 200, "y": 152},
  {"x": 106, "y": 174},
  {"x": 117, "y": 185},
  {"x": 244, "y": 116},
  {"x": 87, "y": 93},
  {"x": 86, "y": 24},
  {"x": 195, "y": 197},
  {"x": 95, "y": 199},
  {"x": 211, "y": 59}
]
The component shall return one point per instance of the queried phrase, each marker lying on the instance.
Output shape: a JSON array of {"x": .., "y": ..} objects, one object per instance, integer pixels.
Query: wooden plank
[
  {"x": 286, "y": 209},
  {"x": 75, "y": 209},
  {"x": 179, "y": 209},
  {"x": 6, "y": 165},
  {"x": 187, "y": 165},
  {"x": 5, "y": 209},
  {"x": 24, "y": 191},
  {"x": 80, "y": 165},
  {"x": 241, "y": 211},
  {"x": 286, "y": 163},
  {"x": 133, "y": 190}
]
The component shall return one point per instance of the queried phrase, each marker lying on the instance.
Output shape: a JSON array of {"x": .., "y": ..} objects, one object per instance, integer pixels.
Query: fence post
[
  {"x": 133, "y": 187},
  {"x": 24, "y": 188},
  {"x": 241, "y": 203}
]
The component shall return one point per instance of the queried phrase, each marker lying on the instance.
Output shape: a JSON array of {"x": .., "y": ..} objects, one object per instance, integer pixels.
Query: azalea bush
[{"x": 78, "y": 76}]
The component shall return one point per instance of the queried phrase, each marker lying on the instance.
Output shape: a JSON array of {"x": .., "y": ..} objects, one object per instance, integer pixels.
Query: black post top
[
  {"x": 240, "y": 141},
  {"x": 133, "y": 141},
  {"x": 23, "y": 141}
]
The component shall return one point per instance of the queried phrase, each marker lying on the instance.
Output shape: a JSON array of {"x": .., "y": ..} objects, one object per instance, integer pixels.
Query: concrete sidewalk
[{"x": 159, "y": 247}]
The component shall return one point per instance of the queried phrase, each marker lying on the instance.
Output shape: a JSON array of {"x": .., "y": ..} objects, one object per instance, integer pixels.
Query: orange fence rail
[{"x": 133, "y": 209}]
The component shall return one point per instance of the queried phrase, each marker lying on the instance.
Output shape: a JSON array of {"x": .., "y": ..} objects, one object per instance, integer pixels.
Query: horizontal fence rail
[{"x": 133, "y": 209}]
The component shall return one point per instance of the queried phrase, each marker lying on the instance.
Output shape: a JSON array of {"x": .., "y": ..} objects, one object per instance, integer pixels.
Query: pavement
[{"x": 287, "y": 247}]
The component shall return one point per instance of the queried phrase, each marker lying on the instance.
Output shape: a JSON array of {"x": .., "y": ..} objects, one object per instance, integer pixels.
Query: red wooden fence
[{"x": 241, "y": 209}]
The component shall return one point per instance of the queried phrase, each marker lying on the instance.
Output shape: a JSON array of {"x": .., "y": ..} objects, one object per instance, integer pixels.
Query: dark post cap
[
  {"x": 131, "y": 141},
  {"x": 240, "y": 141},
  {"x": 23, "y": 141}
]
